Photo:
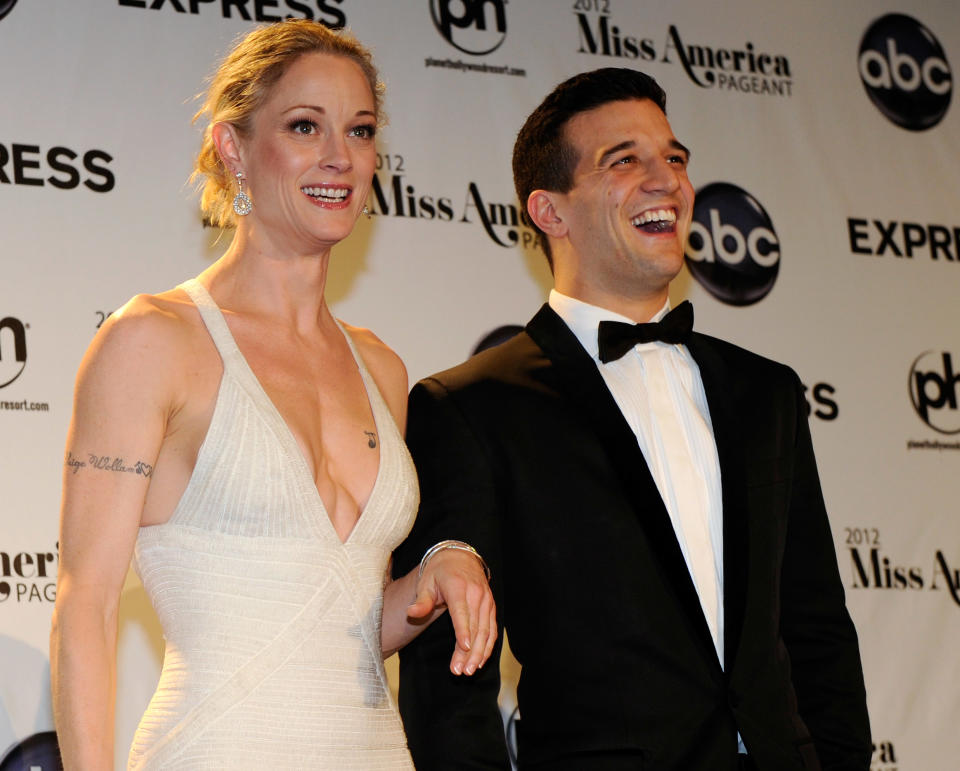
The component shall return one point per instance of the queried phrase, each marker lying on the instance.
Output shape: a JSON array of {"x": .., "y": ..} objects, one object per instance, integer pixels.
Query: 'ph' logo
[
  {"x": 6, "y": 6},
  {"x": 732, "y": 249},
  {"x": 934, "y": 393},
  {"x": 473, "y": 31},
  {"x": 905, "y": 72},
  {"x": 10, "y": 368},
  {"x": 37, "y": 751}
]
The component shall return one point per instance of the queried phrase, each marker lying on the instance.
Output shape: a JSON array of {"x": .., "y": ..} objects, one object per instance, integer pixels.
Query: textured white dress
[{"x": 272, "y": 624}]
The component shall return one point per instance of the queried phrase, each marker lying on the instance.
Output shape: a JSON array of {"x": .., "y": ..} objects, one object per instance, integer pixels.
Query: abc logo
[
  {"x": 933, "y": 391},
  {"x": 473, "y": 26},
  {"x": 905, "y": 72},
  {"x": 6, "y": 6},
  {"x": 12, "y": 366},
  {"x": 732, "y": 249},
  {"x": 39, "y": 751}
]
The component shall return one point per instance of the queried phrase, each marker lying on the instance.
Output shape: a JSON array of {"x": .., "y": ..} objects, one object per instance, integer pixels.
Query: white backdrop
[{"x": 831, "y": 241}]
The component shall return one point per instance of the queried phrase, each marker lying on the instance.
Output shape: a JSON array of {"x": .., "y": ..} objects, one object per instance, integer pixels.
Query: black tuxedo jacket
[{"x": 522, "y": 452}]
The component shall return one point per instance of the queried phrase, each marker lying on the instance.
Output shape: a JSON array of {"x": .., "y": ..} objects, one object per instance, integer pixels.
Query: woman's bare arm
[
  {"x": 453, "y": 580},
  {"x": 121, "y": 405}
]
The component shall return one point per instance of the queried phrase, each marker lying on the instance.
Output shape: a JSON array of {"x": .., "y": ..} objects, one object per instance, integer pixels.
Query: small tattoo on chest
[{"x": 371, "y": 439}]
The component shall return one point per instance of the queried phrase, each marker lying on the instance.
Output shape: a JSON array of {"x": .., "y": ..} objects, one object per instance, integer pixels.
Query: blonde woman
[{"x": 257, "y": 474}]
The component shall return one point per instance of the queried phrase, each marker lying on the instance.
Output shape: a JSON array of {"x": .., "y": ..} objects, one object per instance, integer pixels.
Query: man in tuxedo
[{"x": 646, "y": 496}]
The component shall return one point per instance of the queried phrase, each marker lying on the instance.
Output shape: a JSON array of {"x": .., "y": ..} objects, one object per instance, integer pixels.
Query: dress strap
[
  {"x": 216, "y": 324},
  {"x": 373, "y": 393}
]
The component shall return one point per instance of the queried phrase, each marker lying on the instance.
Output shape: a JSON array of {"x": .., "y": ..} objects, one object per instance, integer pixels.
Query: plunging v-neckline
[{"x": 285, "y": 433}]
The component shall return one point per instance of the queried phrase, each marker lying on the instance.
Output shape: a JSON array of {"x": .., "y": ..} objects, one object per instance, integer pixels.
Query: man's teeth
[
  {"x": 654, "y": 215},
  {"x": 329, "y": 194}
]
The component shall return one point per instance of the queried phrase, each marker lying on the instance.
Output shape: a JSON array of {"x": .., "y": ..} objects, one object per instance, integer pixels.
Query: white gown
[{"x": 272, "y": 624}]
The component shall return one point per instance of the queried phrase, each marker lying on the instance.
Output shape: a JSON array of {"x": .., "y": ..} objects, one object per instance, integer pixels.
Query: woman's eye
[
  {"x": 363, "y": 132},
  {"x": 303, "y": 126}
]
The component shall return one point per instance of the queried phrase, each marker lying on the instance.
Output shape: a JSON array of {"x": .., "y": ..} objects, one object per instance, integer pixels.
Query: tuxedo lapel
[
  {"x": 718, "y": 384},
  {"x": 577, "y": 376}
]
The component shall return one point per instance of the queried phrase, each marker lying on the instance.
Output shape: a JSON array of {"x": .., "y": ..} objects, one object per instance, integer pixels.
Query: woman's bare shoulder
[
  {"x": 158, "y": 320},
  {"x": 147, "y": 336},
  {"x": 377, "y": 355},
  {"x": 385, "y": 366}
]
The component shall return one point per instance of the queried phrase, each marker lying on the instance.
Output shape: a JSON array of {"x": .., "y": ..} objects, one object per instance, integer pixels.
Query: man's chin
[{"x": 667, "y": 255}]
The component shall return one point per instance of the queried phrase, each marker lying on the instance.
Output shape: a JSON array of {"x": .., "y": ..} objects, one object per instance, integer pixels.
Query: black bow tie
[{"x": 616, "y": 337}]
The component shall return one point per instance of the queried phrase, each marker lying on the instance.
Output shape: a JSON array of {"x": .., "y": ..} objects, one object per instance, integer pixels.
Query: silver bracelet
[{"x": 459, "y": 545}]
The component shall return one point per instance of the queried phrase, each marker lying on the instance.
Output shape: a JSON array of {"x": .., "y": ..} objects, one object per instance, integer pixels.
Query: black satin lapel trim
[
  {"x": 585, "y": 386},
  {"x": 718, "y": 384}
]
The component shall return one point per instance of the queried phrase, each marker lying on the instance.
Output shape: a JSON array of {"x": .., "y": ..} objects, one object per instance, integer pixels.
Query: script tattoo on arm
[
  {"x": 108, "y": 463},
  {"x": 371, "y": 439}
]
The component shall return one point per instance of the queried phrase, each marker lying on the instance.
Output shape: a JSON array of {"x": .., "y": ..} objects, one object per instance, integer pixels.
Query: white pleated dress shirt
[{"x": 660, "y": 393}]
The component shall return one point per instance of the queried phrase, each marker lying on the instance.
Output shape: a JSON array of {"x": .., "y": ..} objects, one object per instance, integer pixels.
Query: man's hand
[{"x": 456, "y": 580}]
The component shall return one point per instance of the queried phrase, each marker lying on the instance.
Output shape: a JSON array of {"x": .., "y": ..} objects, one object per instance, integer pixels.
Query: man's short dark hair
[{"x": 542, "y": 159}]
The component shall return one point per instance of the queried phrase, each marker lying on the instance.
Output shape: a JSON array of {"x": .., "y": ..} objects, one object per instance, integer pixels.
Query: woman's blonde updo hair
[{"x": 242, "y": 83}]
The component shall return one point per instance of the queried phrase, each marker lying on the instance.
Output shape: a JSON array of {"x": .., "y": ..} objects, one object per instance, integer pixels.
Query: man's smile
[{"x": 656, "y": 221}]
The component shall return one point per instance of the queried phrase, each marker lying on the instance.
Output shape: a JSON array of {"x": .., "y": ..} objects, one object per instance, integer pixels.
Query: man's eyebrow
[
  {"x": 614, "y": 150},
  {"x": 676, "y": 144}
]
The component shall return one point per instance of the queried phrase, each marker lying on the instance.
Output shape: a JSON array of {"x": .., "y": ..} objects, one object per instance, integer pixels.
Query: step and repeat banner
[{"x": 827, "y": 235}]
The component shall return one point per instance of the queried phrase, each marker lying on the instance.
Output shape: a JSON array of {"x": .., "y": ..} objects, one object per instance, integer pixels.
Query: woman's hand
[
  {"x": 452, "y": 580},
  {"x": 457, "y": 580}
]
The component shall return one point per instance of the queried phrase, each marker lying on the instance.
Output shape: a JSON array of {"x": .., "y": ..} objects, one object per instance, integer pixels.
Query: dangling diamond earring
[
  {"x": 366, "y": 210},
  {"x": 242, "y": 204}
]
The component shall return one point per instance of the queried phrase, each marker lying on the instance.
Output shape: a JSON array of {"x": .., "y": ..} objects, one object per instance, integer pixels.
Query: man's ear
[
  {"x": 227, "y": 141},
  {"x": 542, "y": 206}
]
